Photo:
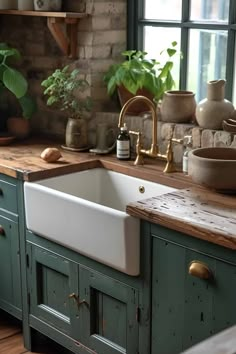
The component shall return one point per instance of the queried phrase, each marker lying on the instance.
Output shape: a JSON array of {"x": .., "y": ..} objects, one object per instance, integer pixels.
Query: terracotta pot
[
  {"x": 18, "y": 127},
  {"x": 178, "y": 107},
  {"x": 76, "y": 134},
  {"x": 137, "y": 107},
  {"x": 214, "y": 109}
]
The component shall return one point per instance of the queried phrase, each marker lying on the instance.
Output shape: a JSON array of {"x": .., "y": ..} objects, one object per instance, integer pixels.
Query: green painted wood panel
[
  {"x": 110, "y": 324},
  {"x": 187, "y": 309},
  {"x": 10, "y": 289},
  {"x": 52, "y": 279},
  {"x": 8, "y": 195}
]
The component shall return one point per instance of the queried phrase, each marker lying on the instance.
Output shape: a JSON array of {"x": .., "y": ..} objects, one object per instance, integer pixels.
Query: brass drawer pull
[
  {"x": 200, "y": 270},
  {"x": 2, "y": 231},
  {"x": 77, "y": 300}
]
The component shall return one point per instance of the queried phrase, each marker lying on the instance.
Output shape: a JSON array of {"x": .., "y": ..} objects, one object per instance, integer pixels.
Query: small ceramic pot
[
  {"x": 76, "y": 134},
  {"x": 47, "y": 5},
  {"x": 178, "y": 107}
]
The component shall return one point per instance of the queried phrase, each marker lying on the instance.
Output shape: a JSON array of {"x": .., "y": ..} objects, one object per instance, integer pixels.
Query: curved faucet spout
[{"x": 152, "y": 107}]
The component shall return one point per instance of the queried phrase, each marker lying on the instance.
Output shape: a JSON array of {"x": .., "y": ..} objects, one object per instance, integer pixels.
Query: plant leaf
[
  {"x": 15, "y": 82},
  {"x": 28, "y": 106}
]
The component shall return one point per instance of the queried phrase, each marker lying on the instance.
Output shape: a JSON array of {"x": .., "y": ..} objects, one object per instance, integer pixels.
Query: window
[{"x": 205, "y": 31}]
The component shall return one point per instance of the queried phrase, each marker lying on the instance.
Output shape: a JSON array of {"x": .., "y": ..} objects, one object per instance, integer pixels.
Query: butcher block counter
[{"x": 191, "y": 209}]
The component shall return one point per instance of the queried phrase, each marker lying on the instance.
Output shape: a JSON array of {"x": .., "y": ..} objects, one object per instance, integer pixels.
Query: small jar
[{"x": 123, "y": 144}]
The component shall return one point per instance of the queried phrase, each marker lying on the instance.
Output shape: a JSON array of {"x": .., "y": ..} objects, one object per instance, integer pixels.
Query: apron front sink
[{"x": 85, "y": 211}]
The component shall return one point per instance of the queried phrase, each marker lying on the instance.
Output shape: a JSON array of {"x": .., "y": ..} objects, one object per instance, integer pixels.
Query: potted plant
[
  {"x": 140, "y": 76},
  {"x": 14, "y": 85},
  {"x": 66, "y": 90}
]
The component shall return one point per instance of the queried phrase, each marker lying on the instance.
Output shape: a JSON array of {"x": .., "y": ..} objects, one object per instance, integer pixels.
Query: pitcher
[
  {"x": 105, "y": 139},
  {"x": 211, "y": 111}
]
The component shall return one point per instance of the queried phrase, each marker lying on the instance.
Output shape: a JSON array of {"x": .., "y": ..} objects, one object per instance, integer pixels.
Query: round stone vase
[
  {"x": 213, "y": 109},
  {"x": 76, "y": 134},
  {"x": 178, "y": 106}
]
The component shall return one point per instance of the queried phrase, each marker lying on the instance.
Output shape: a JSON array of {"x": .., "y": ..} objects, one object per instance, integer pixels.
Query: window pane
[
  {"x": 214, "y": 10},
  {"x": 163, "y": 9},
  {"x": 158, "y": 38},
  {"x": 207, "y": 59}
]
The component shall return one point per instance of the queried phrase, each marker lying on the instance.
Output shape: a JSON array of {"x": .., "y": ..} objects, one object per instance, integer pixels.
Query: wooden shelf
[{"x": 67, "y": 42}]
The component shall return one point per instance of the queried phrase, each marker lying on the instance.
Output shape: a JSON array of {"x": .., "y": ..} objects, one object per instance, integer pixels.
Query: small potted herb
[
  {"x": 141, "y": 76},
  {"x": 66, "y": 90}
]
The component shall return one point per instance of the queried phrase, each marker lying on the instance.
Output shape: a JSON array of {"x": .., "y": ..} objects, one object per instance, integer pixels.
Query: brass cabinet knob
[
  {"x": 200, "y": 270},
  {"x": 2, "y": 231}
]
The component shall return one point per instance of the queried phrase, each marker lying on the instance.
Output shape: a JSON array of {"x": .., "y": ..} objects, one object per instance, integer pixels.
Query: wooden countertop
[{"x": 191, "y": 209}]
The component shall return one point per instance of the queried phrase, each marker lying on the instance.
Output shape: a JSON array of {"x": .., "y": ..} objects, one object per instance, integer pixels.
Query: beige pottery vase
[
  {"x": 18, "y": 127},
  {"x": 178, "y": 106},
  {"x": 76, "y": 134},
  {"x": 213, "y": 109}
]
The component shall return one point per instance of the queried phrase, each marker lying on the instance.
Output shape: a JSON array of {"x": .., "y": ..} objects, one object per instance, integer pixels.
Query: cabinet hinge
[
  {"x": 28, "y": 299},
  {"x": 138, "y": 315}
]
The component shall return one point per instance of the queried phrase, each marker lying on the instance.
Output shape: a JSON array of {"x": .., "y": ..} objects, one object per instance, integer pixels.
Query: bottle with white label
[
  {"x": 123, "y": 144},
  {"x": 185, "y": 155}
]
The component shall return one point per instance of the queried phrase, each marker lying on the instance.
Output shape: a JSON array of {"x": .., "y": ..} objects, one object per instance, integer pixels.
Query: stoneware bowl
[{"x": 214, "y": 167}]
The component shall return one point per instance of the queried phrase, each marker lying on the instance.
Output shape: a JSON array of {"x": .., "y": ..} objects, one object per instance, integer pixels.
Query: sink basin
[
  {"x": 214, "y": 167},
  {"x": 85, "y": 211}
]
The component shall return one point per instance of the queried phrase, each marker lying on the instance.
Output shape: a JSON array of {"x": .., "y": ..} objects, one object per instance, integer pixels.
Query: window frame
[{"x": 136, "y": 23}]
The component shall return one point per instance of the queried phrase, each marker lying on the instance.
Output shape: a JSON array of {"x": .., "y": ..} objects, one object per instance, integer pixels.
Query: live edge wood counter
[{"x": 192, "y": 210}]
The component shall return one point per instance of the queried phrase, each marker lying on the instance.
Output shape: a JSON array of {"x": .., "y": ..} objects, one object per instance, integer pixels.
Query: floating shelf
[{"x": 67, "y": 42}]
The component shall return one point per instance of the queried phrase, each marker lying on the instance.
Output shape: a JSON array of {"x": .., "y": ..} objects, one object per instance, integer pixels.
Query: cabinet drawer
[{"x": 8, "y": 196}]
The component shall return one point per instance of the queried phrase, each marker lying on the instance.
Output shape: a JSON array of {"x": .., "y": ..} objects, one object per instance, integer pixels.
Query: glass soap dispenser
[{"x": 123, "y": 144}]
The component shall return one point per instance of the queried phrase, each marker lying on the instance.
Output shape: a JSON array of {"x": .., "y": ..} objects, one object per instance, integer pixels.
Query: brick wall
[{"x": 101, "y": 38}]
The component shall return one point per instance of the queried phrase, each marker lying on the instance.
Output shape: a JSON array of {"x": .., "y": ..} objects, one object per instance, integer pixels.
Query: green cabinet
[
  {"x": 81, "y": 308},
  {"x": 193, "y": 290},
  {"x": 10, "y": 267}
]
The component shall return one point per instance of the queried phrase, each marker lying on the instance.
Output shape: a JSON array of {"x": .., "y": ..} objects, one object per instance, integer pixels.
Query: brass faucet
[{"x": 154, "y": 150}]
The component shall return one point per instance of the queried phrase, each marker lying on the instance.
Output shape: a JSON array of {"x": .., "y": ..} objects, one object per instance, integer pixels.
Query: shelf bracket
[{"x": 66, "y": 40}]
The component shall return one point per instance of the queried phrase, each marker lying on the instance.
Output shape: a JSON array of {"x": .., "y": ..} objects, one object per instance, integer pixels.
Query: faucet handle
[{"x": 139, "y": 158}]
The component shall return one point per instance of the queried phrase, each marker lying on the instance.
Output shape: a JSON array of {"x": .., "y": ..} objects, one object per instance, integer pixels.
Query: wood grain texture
[
  {"x": 222, "y": 343},
  {"x": 196, "y": 212}
]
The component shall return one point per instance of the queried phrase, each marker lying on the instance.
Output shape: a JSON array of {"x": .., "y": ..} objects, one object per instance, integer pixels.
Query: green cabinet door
[
  {"x": 186, "y": 308},
  {"x": 10, "y": 285},
  {"x": 52, "y": 282},
  {"x": 108, "y": 311}
]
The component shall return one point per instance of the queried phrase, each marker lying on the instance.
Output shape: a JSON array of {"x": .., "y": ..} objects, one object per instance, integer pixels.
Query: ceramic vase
[
  {"x": 213, "y": 109},
  {"x": 178, "y": 106},
  {"x": 47, "y": 5},
  {"x": 76, "y": 134}
]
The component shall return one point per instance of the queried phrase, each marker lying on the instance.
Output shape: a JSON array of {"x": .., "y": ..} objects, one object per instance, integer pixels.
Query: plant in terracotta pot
[
  {"x": 67, "y": 91},
  {"x": 141, "y": 76},
  {"x": 14, "y": 91}
]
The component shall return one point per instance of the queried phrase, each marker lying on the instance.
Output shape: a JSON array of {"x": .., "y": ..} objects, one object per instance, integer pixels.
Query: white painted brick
[{"x": 222, "y": 138}]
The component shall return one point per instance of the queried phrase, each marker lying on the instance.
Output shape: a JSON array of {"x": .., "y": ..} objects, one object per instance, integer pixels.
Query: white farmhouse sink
[{"x": 85, "y": 211}]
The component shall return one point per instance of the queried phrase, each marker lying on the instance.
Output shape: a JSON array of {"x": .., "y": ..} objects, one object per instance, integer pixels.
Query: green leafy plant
[
  {"x": 138, "y": 72},
  {"x": 62, "y": 89},
  {"x": 13, "y": 81}
]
